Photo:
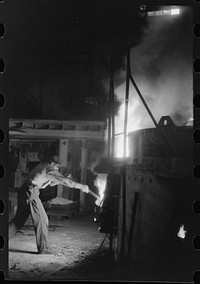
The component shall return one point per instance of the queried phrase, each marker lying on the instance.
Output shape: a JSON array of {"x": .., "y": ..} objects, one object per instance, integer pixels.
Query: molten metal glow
[
  {"x": 182, "y": 233},
  {"x": 100, "y": 183},
  {"x": 119, "y": 147},
  {"x": 134, "y": 121}
]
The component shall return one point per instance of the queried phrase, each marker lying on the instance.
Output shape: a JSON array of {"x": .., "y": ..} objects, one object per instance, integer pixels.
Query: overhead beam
[{"x": 34, "y": 128}]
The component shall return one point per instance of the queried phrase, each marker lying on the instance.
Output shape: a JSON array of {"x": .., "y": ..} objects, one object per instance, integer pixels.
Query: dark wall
[{"x": 57, "y": 55}]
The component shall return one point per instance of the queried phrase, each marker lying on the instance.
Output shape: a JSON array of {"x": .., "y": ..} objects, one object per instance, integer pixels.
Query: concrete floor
[{"x": 73, "y": 241}]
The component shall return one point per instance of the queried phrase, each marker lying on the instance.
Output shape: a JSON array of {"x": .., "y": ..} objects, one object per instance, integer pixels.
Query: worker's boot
[{"x": 48, "y": 250}]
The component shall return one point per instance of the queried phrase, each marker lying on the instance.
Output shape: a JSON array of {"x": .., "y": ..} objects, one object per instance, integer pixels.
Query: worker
[{"x": 28, "y": 200}]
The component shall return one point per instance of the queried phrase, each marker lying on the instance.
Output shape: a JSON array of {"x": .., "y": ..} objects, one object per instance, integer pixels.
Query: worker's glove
[{"x": 85, "y": 188}]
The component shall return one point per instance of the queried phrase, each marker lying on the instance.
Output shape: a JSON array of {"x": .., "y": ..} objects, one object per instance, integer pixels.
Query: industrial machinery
[{"x": 149, "y": 198}]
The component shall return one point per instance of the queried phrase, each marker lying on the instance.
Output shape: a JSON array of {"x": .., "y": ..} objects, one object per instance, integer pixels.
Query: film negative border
[
  {"x": 196, "y": 133},
  {"x": 3, "y": 160},
  {"x": 4, "y": 116}
]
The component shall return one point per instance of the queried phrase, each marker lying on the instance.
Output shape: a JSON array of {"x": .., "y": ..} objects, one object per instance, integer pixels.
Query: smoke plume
[{"x": 161, "y": 65}]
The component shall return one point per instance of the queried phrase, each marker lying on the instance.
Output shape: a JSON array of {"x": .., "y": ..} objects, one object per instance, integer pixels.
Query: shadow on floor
[{"x": 23, "y": 251}]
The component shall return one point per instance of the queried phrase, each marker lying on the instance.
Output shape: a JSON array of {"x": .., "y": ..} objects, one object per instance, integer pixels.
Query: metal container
[
  {"x": 156, "y": 199},
  {"x": 149, "y": 143}
]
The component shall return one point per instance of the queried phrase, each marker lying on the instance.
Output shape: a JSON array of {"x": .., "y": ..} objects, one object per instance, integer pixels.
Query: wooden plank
[
  {"x": 50, "y": 133},
  {"x": 64, "y": 122}
]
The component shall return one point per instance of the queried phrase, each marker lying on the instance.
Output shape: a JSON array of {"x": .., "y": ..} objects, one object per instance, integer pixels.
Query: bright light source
[
  {"x": 175, "y": 11},
  {"x": 163, "y": 12},
  {"x": 181, "y": 233}
]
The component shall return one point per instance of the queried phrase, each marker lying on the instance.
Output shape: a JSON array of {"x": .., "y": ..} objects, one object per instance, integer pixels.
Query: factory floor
[{"x": 74, "y": 243}]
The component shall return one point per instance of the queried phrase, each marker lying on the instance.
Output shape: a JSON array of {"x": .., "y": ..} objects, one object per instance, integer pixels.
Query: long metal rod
[
  {"x": 112, "y": 108},
  {"x": 143, "y": 100},
  {"x": 124, "y": 154},
  {"x": 109, "y": 121},
  {"x": 101, "y": 244},
  {"x": 150, "y": 113},
  {"x": 94, "y": 194},
  {"x": 109, "y": 131},
  {"x": 131, "y": 230},
  {"x": 90, "y": 191},
  {"x": 130, "y": 77},
  {"x": 112, "y": 137},
  {"x": 126, "y": 100},
  {"x": 123, "y": 214}
]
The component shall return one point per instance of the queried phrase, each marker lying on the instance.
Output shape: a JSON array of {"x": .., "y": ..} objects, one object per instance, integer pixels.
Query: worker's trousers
[{"x": 30, "y": 203}]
